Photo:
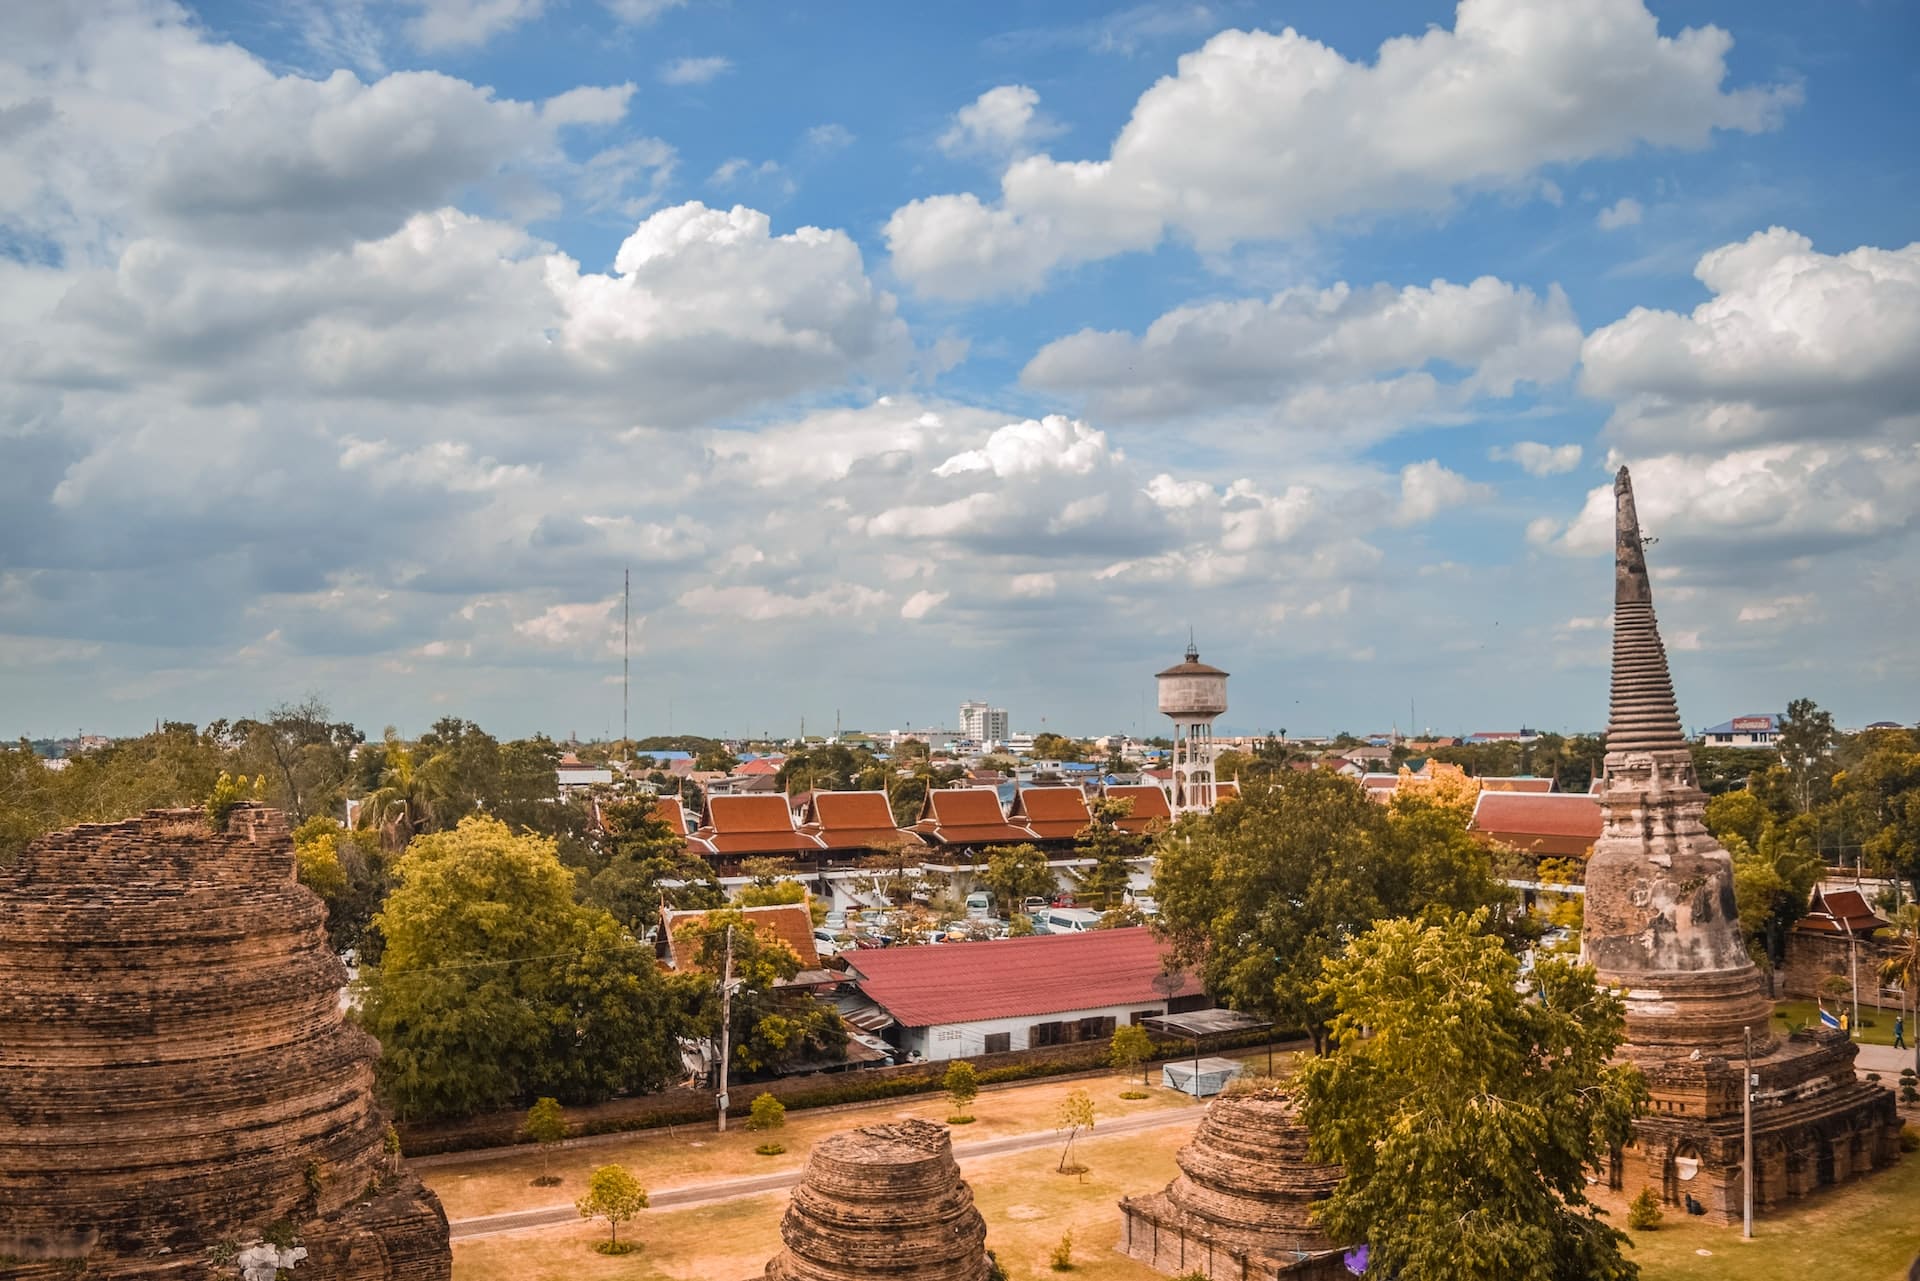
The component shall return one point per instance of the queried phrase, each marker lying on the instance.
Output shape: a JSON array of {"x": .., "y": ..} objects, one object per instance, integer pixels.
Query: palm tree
[
  {"x": 1902, "y": 969},
  {"x": 403, "y": 804}
]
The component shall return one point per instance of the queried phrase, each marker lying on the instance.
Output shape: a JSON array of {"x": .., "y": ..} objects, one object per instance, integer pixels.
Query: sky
[{"x": 905, "y": 354}]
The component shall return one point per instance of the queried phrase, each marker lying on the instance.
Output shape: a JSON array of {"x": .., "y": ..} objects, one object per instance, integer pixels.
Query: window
[
  {"x": 1044, "y": 1034},
  {"x": 1095, "y": 1029},
  {"x": 999, "y": 1042}
]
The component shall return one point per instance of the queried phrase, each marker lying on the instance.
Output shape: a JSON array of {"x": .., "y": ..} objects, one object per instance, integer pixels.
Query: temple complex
[
  {"x": 883, "y": 1203},
  {"x": 1241, "y": 1208},
  {"x": 177, "y": 1078},
  {"x": 1662, "y": 928}
]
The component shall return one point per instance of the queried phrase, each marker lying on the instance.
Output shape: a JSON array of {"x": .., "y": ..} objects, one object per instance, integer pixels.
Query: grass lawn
[
  {"x": 663, "y": 1159},
  {"x": 1868, "y": 1230},
  {"x": 1876, "y": 1026},
  {"x": 1865, "y": 1231}
]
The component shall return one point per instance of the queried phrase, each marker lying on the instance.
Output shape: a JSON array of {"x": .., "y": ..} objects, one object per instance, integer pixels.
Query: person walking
[{"x": 1899, "y": 1031}]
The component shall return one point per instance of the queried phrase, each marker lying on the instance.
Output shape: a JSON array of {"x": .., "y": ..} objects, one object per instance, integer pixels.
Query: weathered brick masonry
[{"x": 176, "y": 1073}]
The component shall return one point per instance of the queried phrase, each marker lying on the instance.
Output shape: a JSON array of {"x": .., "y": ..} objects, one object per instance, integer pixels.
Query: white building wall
[{"x": 964, "y": 1040}]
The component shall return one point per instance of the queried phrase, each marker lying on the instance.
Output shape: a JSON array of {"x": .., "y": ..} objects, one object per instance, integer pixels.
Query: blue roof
[
  {"x": 667, "y": 756},
  {"x": 1081, "y": 767},
  {"x": 1726, "y": 727}
]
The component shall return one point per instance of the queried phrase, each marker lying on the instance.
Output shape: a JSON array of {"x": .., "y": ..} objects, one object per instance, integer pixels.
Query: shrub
[
  {"x": 1909, "y": 1139},
  {"x": 767, "y": 1113},
  {"x": 546, "y": 1125},
  {"x": 616, "y": 1196},
  {"x": 1134, "y": 1094},
  {"x": 1061, "y": 1260},
  {"x": 771, "y": 1149},
  {"x": 1908, "y": 1094},
  {"x": 1643, "y": 1212}
]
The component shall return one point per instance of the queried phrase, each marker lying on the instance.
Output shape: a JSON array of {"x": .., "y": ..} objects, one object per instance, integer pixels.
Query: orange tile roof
[
  {"x": 1150, "y": 806},
  {"x": 1840, "y": 912},
  {"x": 791, "y": 923},
  {"x": 968, "y": 816},
  {"x": 1517, "y": 785},
  {"x": 669, "y": 810},
  {"x": 759, "y": 823},
  {"x": 1559, "y": 824},
  {"x": 1054, "y": 813},
  {"x": 855, "y": 820}
]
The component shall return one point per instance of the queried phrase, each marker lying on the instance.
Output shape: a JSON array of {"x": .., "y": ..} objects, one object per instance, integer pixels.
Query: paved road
[{"x": 703, "y": 1193}]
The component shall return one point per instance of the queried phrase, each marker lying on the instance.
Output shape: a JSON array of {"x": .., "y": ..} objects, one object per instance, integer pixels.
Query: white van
[
  {"x": 979, "y": 905},
  {"x": 1065, "y": 920}
]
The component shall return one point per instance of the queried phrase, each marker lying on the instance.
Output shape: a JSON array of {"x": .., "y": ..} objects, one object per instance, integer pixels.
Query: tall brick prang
[{"x": 177, "y": 1076}]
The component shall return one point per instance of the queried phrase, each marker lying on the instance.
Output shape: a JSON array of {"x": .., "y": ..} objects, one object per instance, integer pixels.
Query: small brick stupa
[
  {"x": 1662, "y": 928},
  {"x": 883, "y": 1203},
  {"x": 177, "y": 1079},
  {"x": 1241, "y": 1208}
]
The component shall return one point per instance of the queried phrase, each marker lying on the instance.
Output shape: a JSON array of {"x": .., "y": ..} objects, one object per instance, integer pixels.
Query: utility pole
[
  {"x": 1746, "y": 1154},
  {"x": 726, "y": 1027}
]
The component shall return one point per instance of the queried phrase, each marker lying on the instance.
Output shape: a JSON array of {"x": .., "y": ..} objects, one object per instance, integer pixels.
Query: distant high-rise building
[{"x": 983, "y": 723}]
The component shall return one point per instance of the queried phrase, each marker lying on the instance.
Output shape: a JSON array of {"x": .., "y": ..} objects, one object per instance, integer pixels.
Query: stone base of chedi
[
  {"x": 883, "y": 1201},
  {"x": 176, "y": 1076},
  {"x": 1814, "y": 1124},
  {"x": 1241, "y": 1209}
]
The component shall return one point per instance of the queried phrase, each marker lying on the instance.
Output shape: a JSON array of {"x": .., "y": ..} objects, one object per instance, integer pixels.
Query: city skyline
[{"x": 359, "y": 350}]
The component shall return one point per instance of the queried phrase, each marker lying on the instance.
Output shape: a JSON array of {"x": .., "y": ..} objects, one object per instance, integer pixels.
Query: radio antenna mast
[{"x": 626, "y": 633}]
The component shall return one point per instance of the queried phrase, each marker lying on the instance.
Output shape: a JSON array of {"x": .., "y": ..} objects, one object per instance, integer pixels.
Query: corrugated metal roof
[
  {"x": 1554, "y": 823},
  {"x": 1015, "y": 978}
]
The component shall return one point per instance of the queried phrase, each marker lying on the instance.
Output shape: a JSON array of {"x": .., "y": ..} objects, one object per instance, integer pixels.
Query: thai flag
[{"x": 1828, "y": 1020}]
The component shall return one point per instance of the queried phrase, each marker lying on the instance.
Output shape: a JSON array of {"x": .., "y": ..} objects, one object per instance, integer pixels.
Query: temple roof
[
  {"x": 1643, "y": 716},
  {"x": 1054, "y": 813}
]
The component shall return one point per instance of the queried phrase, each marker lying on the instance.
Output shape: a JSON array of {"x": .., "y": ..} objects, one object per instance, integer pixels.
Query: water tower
[{"x": 1193, "y": 694}]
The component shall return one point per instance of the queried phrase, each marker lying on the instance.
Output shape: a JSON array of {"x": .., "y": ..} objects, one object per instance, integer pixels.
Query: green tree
[
  {"x": 962, "y": 1085},
  {"x": 546, "y": 1125},
  {"x": 615, "y": 1195},
  {"x": 1057, "y": 747},
  {"x": 1737, "y": 814},
  {"x": 1015, "y": 873},
  {"x": 1806, "y": 744},
  {"x": 496, "y": 986},
  {"x": 639, "y": 863},
  {"x": 1258, "y": 895},
  {"x": 1130, "y": 1048},
  {"x": 1113, "y": 852},
  {"x": 1772, "y": 884},
  {"x": 1076, "y": 1114},
  {"x": 1469, "y": 1117},
  {"x": 348, "y": 870},
  {"x": 771, "y": 1026},
  {"x": 304, "y": 754}
]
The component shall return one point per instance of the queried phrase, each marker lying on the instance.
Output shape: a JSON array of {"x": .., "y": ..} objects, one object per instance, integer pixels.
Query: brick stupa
[
  {"x": 1661, "y": 927},
  {"x": 1241, "y": 1209},
  {"x": 883, "y": 1203},
  {"x": 177, "y": 1078}
]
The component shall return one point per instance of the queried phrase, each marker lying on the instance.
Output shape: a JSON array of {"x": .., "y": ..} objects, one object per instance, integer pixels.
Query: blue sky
[{"x": 908, "y": 354}]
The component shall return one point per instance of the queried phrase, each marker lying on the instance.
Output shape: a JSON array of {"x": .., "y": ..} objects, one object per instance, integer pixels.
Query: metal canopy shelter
[{"x": 1198, "y": 1025}]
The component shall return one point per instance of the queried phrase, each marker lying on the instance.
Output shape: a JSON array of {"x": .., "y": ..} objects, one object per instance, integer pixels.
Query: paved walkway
[
  {"x": 1883, "y": 1059},
  {"x": 487, "y": 1225}
]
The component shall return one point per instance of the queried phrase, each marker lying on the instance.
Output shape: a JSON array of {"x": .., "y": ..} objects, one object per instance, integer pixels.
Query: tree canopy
[
  {"x": 1469, "y": 1117},
  {"x": 1259, "y": 894},
  {"x": 495, "y": 986}
]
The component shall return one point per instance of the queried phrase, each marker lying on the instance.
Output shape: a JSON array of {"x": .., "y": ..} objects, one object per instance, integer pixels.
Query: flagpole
[{"x": 1746, "y": 1155}]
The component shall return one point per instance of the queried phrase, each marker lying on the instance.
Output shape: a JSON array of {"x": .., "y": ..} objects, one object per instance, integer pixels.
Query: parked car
[
  {"x": 1033, "y": 906},
  {"x": 836, "y": 919},
  {"x": 1066, "y": 920},
  {"x": 979, "y": 905}
]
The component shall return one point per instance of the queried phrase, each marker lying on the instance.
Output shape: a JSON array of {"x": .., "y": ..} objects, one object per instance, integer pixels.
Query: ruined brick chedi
[
  {"x": 883, "y": 1203},
  {"x": 1241, "y": 1209},
  {"x": 1661, "y": 927},
  {"x": 176, "y": 1076}
]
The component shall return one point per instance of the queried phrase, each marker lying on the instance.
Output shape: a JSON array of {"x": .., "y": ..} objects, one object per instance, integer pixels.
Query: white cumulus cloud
[
  {"x": 1537, "y": 459},
  {"x": 1427, "y": 489},
  {"x": 1261, "y": 135}
]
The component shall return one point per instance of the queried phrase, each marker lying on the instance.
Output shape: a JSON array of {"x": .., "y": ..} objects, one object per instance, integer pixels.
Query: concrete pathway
[
  {"x": 1883, "y": 1059},
  {"x": 487, "y": 1225}
]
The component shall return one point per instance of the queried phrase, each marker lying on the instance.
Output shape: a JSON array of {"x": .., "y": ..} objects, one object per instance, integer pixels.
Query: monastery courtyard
[{"x": 1862, "y": 1229}]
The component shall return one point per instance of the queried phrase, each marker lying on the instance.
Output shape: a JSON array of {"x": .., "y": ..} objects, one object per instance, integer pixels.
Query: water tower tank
[{"x": 1192, "y": 690}]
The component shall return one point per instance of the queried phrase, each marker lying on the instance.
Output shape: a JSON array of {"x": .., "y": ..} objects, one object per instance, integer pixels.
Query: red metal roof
[
  {"x": 967, "y": 816},
  {"x": 1014, "y": 978},
  {"x": 855, "y": 820},
  {"x": 1840, "y": 912},
  {"x": 1054, "y": 813},
  {"x": 1516, "y": 785},
  {"x": 791, "y": 923},
  {"x": 1561, "y": 824},
  {"x": 1149, "y": 806},
  {"x": 753, "y": 824},
  {"x": 761, "y": 766}
]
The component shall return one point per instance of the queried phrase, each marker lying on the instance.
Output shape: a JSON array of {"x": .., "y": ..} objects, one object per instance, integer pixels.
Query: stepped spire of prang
[{"x": 1643, "y": 716}]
